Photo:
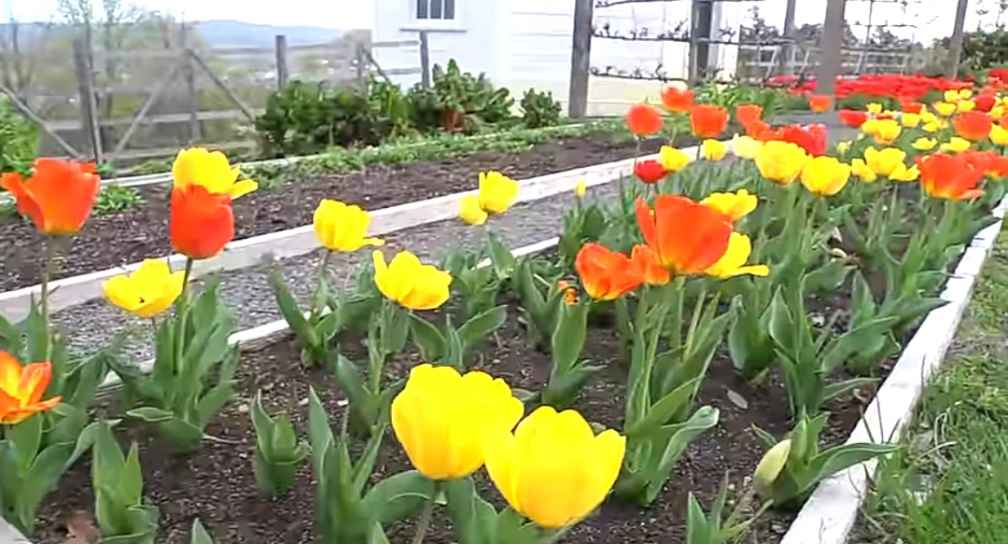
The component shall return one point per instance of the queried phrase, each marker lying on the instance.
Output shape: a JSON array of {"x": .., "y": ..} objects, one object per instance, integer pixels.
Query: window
[{"x": 438, "y": 10}]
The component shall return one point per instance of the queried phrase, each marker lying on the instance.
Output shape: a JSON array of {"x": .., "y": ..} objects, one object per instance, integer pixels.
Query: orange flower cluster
[
  {"x": 953, "y": 177},
  {"x": 706, "y": 121}
]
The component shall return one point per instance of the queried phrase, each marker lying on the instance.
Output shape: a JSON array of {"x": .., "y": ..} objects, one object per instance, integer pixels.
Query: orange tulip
[
  {"x": 758, "y": 129},
  {"x": 708, "y": 121},
  {"x": 21, "y": 389},
  {"x": 686, "y": 236},
  {"x": 820, "y": 102},
  {"x": 675, "y": 100},
  {"x": 646, "y": 265},
  {"x": 952, "y": 177},
  {"x": 57, "y": 197},
  {"x": 606, "y": 274},
  {"x": 747, "y": 114},
  {"x": 644, "y": 120},
  {"x": 201, "y": 222},
  {"x": 973, "y": 125}
]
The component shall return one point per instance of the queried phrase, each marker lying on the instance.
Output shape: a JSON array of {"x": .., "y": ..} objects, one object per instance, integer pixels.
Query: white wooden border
[
  {"x": 250, "y": 339},
  {"x": 301, "y": 240},
  {"x": 831, "y": 512}
]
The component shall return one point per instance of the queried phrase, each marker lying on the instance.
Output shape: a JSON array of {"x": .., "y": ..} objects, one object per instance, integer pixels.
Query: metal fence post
[
  {"x": 88, "y": 106},
  {"x": 424, "y": 60},
  {"x": 831, "y": 58},
  {"x": 281, "y": 61}
]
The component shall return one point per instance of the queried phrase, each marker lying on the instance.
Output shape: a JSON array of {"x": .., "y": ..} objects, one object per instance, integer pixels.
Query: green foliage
[
  {"x": 116, "y": 198},
  {"x": 35, "y": 453},
  {"x": 476, "y": 521},
  {"x": 278, "y": 453},
  {"x": 193, "y": 374},
  {"x": 568, "y": 373},
  {"x": 347, "y": 514},
  {"x": 540, "y": 109},
  {"x": 198, "y": 534},
  {"x": 729, "y": 96},
  {"x": 982, "y": 50},
  {"x": 449, "y": 345},
  {"x": 459, "y": 100},
  {"x": 719, "y": 526},
  {"x": 304, "y": 118},
  {"x": 540, "y": 294},
  {"x": 804, "y": 465},
  {"x": 18, "y": 140},
  {"x": 122, "y": 514}
]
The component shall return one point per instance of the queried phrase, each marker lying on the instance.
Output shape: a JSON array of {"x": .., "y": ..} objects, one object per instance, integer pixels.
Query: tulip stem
[
  {"x": 323, "y": 266},
  {"x": 182, "y": 312},
  {"x": 425, "y": 517},
  {"x": 50, "y": 257}
]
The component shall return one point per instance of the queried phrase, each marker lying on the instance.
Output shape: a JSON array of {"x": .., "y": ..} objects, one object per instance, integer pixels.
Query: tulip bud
[{"x": 770, "y": 467}]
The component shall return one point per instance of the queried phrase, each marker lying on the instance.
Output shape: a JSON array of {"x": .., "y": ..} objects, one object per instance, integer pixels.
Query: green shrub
[
  {"x": 459, "y": 100},
  {"x": 982, "y": 50},
  {"x": 117, "y": 198},
  {"x": 540, "y": 109},
  {"x": 305, "y": 118},
  {"x": 18, "y": 140}
]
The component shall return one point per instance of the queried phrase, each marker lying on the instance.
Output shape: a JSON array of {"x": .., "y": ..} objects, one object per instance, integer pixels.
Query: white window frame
[{"x": 433, "y": 24}]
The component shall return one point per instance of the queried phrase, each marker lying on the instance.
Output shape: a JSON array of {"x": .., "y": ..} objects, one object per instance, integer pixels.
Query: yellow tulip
[
  {"x": 713, "y": 150},
  {"x": 928, "y": 117},
  {"x": 955, "y": 145},
  {"x": 887, "y": 130},
  {"x": 965, "y": 94},
  {"x": 340, "y": 227},
  {"x": 733, "y": 262},
  {"x": 497, "y": 192},
  {"x": 965, "y": 105},
  {"x": 951, "y": 95},
  {"x": 554, "y": 470},
  {"x": 581, "y": 189},
  {"x": 412, "y": 284},
  {"x": 746, "y": 147},
  {"x": 999, "y": 135},
  {"x": 672, "y": 159},
  {"x": 148, "y": 291},
  {"x": 210, "y": 169},
  {"x": 825, "y": 176},
  {"x": 997, "y": 112},
  {"x": 470, "y": 211},
  {"x": 902, "y": 173},
  {"x": 944, "y": 108},
  {"x": 781, "y": 162},
  {"x": 770, "y": 467},
  {"x": 875, "y": 108},
  {"x": 924, "y": 143},
  {"x": 735, "y": 205},
  {"x": 843, "y": 147},
  {"x": 860, "y": 169},
  {"x": 931, "y": 127},
  {"x": 884, "y": 162},
  {"x": 910, "y": 120},
  {"x": 443, "y": 418},
  {"x": 870, "y": 126}
]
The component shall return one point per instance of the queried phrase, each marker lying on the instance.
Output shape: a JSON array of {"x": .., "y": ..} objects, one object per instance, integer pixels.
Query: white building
[{"x": 527, "y": 43}]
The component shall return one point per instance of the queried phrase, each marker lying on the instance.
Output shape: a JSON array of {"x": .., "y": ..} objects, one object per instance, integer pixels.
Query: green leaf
[
  {"x": 679, "y": 438},
  {"x": 199, "y": 535},
  {"x": 151, "y": 414},
  {"x": 839, "y": 388},
  {"x": 782, "y": 325},
  {"x": 26, "y": 437},
  {"x": 290, "y": 310},
  {"x": 399, "y": 496},
  {"x": 44, "y": 474},
  {"x": 500, "y": 256},
  {"x": 474, "y": 519},
  {"x": 828, "y": 277},
  {"x": 376, "y": 535},
  {"x": 840, "y": 348},
  {"x": 427, "y": 338},
  {"x": 698, "y": 530},
  {"x": 662, "y": 411},
  {"x": 569, "y": 336},
  {"x": 85, "y": 440},
  {"x": 482, "y": 325},
  {"x": 862, "y": 302}
]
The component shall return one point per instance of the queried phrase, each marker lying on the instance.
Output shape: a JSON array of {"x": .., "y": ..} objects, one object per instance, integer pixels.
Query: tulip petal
[
  {"x": 243, "y": 188},
  {"x": 10, "y": 373}
]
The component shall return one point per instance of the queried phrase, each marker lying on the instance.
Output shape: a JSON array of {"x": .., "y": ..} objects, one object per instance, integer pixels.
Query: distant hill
[{"x": 239, "y": 34}]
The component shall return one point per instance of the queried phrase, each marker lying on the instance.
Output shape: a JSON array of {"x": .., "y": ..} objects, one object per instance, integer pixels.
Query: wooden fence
[{"x": 97, "y": 135}]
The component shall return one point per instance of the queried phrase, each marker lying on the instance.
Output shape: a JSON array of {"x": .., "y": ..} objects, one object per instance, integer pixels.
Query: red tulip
[
  {"x": 650, "y": 171},
  {"x": 675, "y": 100},
  {"x": 201, "y": 222},
  {"x": 973, "y": 125},
  {"x": 909, "y": 106},
  {"x": 708, "y": 121},
  {"x": 852, "y": 118},
  {"x": 747, "y": 114},
  {"x": 985, "y": 102},
  {"x": 951, "y": 177},
  {"x": 644, "y": 120}
]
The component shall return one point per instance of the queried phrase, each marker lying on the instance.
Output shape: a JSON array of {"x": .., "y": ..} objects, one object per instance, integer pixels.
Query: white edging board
[
  {"x": 301, "y": 240},
  {"x": 251, "y": 338},
  {"x": 830, "y": 513}
]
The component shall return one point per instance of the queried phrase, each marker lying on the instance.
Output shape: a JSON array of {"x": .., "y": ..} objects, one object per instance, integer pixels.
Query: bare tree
[{"x": 19, "y": 54}]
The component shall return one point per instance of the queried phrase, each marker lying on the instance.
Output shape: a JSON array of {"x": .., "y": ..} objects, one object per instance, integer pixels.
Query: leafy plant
[
  {"x": 449, "y": 345},
  {"x": 117, "y": 198},
  {"x": 459, "y": 100},
  {"x": 346, "y": 512},
  {"x": 541, "y": 295},
  {"x": 568, "y": 372},
  {"x": 540, "y": 109},
  {"x": 720, "y": 526},
  {"x": 18, "y": 140},
  {"x": 122, "y": 514},
  {"x": 181, "y": 395},
  {"x": 792, "y": 467},
  {"x": 198, "y": 534},
  {"x": 278, "y": 453}
]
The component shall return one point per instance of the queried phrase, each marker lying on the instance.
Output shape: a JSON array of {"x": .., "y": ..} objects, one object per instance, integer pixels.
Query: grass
[
  {"x": 949, "y": 485},
  {"x": 116, "y": 198}
]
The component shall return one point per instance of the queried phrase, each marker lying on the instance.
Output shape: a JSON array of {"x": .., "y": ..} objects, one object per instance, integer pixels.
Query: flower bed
[{"x": 720, "y": 328}]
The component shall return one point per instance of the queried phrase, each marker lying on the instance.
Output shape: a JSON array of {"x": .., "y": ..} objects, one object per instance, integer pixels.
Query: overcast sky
[{"x": 933, "y": 18}]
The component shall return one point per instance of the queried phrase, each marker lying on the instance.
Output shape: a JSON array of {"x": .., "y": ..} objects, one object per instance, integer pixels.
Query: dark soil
[
  {"x": 216, "y": 484},
  {"x": 141, "y": 232}
]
